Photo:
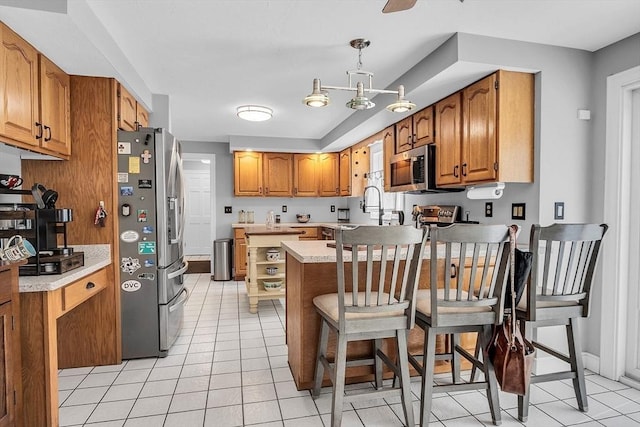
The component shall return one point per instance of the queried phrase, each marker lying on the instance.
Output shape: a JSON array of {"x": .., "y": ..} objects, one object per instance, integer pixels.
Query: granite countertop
[{"x": 95, "y": 258}]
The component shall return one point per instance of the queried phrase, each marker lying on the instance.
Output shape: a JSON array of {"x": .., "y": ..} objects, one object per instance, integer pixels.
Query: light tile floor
[{"x": 229, "y": 368}]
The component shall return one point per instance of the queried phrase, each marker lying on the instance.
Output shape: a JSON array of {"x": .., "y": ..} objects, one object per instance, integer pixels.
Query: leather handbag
[{"x": 511, "y": 354}]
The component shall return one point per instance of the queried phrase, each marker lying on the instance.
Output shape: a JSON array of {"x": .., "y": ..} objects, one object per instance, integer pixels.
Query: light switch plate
[
  {"x": 333, "y": 208},
  {"x": 558, "y": 210},
  {"x": 228, "y": 209},
  {"x": 518, "y": 211},
  {"x": 488, "y": 209},
  {"x": 284, "y": 208}
]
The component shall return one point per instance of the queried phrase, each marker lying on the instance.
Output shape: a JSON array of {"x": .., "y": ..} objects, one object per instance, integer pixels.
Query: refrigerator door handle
[
  {"x": 179, "y": 272},
  {"x": 183, "y": 300},
  {"x": 173, "y": 207}
]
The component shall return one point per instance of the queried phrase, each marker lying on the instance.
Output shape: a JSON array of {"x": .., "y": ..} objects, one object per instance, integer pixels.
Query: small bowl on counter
[
  {"x": 272, "y": 285},
  {"x": 271, "y": 271},
  {"x": 303, "y": 217}
]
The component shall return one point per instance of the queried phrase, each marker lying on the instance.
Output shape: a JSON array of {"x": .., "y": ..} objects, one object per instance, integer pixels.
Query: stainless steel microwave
[{"x": 414, "y": 171}]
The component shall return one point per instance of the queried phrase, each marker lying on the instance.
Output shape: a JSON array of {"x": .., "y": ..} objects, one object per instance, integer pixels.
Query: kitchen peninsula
[
  {"x": 311, "y": 271},
  {"x": 62, "y": 326}
]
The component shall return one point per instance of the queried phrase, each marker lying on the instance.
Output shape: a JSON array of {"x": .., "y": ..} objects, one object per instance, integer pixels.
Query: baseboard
[{"x": 630, "y": 382}]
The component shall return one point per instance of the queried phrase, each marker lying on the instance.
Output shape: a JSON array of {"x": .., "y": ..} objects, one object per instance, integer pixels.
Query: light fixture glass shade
[
  {"x": 254, "y": 113},
  {"x": 360, "y": 102},
  {"x": 401, "y": 105},
  {"x": 317, "y": 98}
]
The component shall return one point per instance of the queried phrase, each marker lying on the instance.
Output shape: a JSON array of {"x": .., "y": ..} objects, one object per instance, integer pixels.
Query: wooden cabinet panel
[
  {"x": 142, "y": 116},
  {"x": 305, "y": 175},
  {"x": 329, "y": 182},
  {"x": 127, "y": 104},
  {"x": 55, "y": 111},
  {"x": 240, "y": 254},
  {"x": 345, "y": 171},
  {"x": 360, "y": 165},
  {"x": 278, "y": 174},
  {"x": 423, "y": 126},
  {"x": 19, "y": 94},
  {"x": 479, "y": 131},
  {"x": 10, "y": 352},
  {"x": 247, "y": 173},
  {"x": 309, "y": 233},
  {"x": 404, "y": 135},
  {"x": 448, "y": 140}
]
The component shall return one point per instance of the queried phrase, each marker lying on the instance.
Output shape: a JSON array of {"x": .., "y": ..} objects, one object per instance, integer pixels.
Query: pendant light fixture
[{"x": 319, "y": 96}]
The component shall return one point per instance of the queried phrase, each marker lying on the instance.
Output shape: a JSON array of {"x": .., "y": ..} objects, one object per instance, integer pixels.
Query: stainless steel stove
[{"x": 439, "y": 214}]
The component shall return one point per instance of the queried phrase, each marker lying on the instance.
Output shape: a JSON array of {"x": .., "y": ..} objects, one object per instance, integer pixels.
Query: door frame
[
  {"x": 212, "y": 183},
  {"x": 617, "y": 214}
]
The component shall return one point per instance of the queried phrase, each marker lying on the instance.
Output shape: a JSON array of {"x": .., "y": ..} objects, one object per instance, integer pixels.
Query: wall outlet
[
  {"x": 284, "y": 208},
  {"x": 488, "y": 209},
  {"x": 518, "y": 211},
  {"x": 228, "y": 209},
  {"x": 333, "y": 208},
  {"x": 558, "y": 210}
]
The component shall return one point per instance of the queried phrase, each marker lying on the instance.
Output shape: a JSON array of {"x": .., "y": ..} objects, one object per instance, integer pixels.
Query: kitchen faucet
[{"x": 364, "y": 206}]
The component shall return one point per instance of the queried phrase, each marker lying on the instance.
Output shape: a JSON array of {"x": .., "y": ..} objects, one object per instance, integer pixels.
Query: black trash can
[{"x": 222, "y": 259}]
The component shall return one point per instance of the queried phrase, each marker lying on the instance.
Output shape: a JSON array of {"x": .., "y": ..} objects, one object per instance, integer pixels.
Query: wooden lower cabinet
[
  {"x": 240, "y": 254},
  {"x": 309, "y": 233},
  {"x": 10, "y": 353}
]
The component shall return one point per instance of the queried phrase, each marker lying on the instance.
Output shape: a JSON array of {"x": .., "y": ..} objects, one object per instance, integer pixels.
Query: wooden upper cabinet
[
  {"x": 247, "y": 173},
  {"x": 388, "y": 150},
  {"x": 344, "y": 165},
  {"x": 19, "y": 90},
  {"x": 414, "y": 131},
  {"x": 142, "y": 116},
  {"x": 34, "y": 98},
  {"x": 423, "y": 127},
  {"x": 55, "y": 111},
  {"x": 278, "y": 174},
  {"x": 127, "y": 110},
  {"x": 360, "y": 160},
  {"x": 305, "y": 175},
  {"x": 404, "y": 135},
  {"x": 329, "y": 182},
  {"x": 448, "y": 140},
  {"x": 484, "y": 133}
]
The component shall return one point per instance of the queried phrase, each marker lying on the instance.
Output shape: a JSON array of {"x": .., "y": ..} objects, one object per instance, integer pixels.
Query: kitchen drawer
[
  {"x": 310, "y": 233},
  {"x": 83, "y": 289}
]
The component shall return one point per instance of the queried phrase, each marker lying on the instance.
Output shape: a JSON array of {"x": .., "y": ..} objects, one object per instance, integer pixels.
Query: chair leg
[
  {"x": 428, "y": 365},
  {"x": 405, "y": 379},
  {"x": 527, "y": 331},
  {"x": 322, "y": 353},
  {"x": 455, "y": 359},
  {"x": 377, "y": 344},
  {"x": 490, "y": 375},
  {"x": 340, "y": 365},
  {"x": 577, "y": 366}
]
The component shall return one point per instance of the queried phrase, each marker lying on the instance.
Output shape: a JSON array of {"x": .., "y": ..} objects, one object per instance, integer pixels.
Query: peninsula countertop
[
  {"x": 261, "y": 230},
  {"x": 95, "y": 258}
]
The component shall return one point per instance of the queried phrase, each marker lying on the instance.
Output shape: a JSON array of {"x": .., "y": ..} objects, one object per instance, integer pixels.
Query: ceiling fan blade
[{"x": 398, "y": 5}]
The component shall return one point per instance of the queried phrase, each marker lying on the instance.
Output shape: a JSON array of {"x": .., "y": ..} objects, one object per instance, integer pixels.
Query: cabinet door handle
[
  {"x": 47, "y": 138},
  {"x": 39, "y": 126},
  {"x": 455, "y": 171},
  {"x": 90, "y": 285},
  {"x": 464, "y": 169},
  {"x": 260, "y": 190},
  {"x": 266, "y": 190}
]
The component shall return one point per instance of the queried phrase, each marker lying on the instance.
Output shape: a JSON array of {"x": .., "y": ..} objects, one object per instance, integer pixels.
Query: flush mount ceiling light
[
  {"x": 319, "y": 96},
  {"x": 254, "y": 113}
]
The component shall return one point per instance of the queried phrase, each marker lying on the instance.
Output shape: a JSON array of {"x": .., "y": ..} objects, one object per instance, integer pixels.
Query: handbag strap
[{"x": 513, "y": 229}]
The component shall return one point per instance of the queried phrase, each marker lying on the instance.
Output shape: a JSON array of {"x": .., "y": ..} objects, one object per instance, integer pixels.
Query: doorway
[
  {"x": 620, "y": 328},
  {"x": 200, "y": 213}
]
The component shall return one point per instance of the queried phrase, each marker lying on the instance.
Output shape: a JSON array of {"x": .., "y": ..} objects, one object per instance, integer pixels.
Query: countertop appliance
[
  {"x": 151, "y": 218},
  {"x": 441, "y": 215},
  {"x": 414, "y": 171}
]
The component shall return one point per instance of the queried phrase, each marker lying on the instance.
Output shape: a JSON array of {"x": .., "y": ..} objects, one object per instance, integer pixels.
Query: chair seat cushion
[
  {"x": 328, "y": 305},
  {"x": 522, "y": 304},
  {"x": 423, "y": 303}
]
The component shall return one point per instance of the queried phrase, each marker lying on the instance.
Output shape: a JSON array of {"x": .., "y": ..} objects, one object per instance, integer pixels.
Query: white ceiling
[{"x": 210, "y": 56}]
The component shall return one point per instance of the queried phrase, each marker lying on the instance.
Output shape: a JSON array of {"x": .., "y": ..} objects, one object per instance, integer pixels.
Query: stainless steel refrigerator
[{"x": 151, "y": 218}]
